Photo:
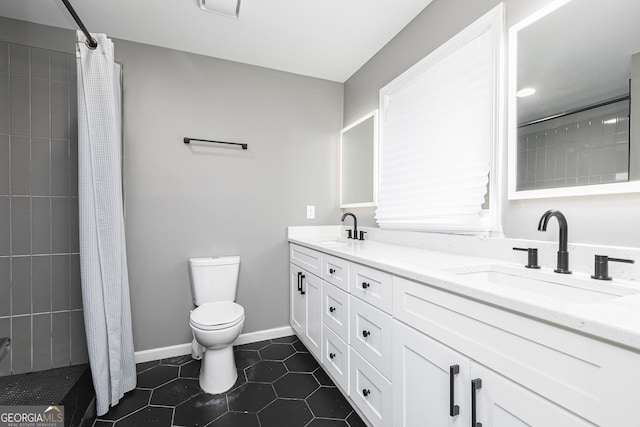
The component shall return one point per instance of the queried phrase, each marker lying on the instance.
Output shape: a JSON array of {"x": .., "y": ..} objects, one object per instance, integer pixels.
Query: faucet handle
[
  {"x": 349, "y": 236},
  {"x": 532, "y": 259},
  {"x": 601, "y": 266},
  {"x": 362, "y": 233}
]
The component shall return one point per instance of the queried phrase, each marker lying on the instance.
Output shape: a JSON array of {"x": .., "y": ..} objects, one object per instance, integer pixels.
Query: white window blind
[{"x": 439, "y": 122}]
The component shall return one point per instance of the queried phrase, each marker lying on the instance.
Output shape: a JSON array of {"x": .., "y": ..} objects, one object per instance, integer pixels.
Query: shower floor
[
  {"x": 39, "y": 388},
  {"x": 70, "y": 386}
]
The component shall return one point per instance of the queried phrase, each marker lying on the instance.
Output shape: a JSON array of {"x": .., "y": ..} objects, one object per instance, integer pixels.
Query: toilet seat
[{"x": 217, "y": 315}]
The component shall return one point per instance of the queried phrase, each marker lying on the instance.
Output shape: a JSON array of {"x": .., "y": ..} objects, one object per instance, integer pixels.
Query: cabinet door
[
  {"x": 297, "y": 300},
  {"x": 430, "y": 382},
  {"x": 501, "y": 402},
  {"x": 312, "y": 292}
]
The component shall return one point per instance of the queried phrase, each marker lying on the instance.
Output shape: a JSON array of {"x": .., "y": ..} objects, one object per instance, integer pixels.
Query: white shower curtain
[{"x": 103, "y": 260}]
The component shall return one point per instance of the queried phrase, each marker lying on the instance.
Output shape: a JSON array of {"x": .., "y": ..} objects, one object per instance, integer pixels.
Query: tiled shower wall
[
  {"x": 591, "y": 147},
  {"x": 40, "y": 296}
]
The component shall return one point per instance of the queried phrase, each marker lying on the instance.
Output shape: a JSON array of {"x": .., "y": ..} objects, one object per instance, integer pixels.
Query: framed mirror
[
  {"x": 574, "y": 100},
  {"x": 358, "y": 159}
]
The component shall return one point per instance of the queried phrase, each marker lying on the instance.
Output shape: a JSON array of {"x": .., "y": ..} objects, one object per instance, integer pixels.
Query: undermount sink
[
  {"x": 571, "y": 288},
  {"x": 341, "y": 242}
]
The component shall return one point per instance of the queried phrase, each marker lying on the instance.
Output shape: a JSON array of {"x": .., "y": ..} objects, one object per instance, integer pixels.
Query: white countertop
[{"x": 616, "y": 319}]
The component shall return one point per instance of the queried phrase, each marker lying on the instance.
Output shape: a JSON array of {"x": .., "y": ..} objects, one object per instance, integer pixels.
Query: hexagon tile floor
[{"x": 279, "y": 385}]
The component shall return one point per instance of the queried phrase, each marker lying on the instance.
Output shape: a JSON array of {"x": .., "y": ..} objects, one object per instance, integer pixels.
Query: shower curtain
[{"x": 103, "y": 260}]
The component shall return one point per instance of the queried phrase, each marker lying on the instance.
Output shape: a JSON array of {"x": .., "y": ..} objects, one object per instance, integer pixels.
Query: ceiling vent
[{"x": 229, "y": 8}]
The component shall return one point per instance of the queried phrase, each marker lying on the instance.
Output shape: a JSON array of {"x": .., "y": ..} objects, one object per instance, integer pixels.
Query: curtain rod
[
  {"x": 576, "y": 110},
  {"x": 90, "y": 42}
]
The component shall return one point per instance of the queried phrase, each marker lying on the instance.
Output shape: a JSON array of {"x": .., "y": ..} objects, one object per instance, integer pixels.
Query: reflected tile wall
[
  {"x": 575, "y": 150},
  {"x": 40, "y": 296}
]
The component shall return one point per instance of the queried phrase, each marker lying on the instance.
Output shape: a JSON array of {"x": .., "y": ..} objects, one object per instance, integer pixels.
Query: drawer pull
[
  {"x": 332, "y": 355},
  {"x": 332, "y": 309},
  {"x": 475, "y": 386},
  {"x": 453, "y": 408},
  {"x": 365, "y": 285},
  {"x": 332, "y": 270},
  {"x": 366, "y": 392},
  {"x": 366, "y": 333}
]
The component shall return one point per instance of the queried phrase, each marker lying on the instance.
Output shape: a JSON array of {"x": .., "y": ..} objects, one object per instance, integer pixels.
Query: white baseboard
[
  {"x": 182, "y": 349},
  {"x": 162, "y": 352},
  {"x": 267, "y": 334}
]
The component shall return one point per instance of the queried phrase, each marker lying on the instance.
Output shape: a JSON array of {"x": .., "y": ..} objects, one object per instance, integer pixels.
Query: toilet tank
[{"x": 214, "y": 279}]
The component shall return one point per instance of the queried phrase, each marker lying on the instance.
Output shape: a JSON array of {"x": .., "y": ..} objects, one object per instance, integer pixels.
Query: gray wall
[
  {"x": 184, "y": 201},
  {"x": 40, "y": 297},
  {"x": 611, "y": 220}
]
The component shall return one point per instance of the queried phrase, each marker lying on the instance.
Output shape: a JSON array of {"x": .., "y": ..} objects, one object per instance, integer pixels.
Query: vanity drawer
[
  {"x": 306, "y": 258},
  {"x": 371, "y": 334},
  {"x": 336, "y": 270},
  {"x": 335, "y": 310},
  {"x": 370, "y": 391},
  {"x": 335, "y": 358},
  {"x": 372, "y": 286}
]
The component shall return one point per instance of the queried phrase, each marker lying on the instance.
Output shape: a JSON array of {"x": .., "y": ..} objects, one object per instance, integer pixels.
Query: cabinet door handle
[
  {"x": 366, "y": 333},
  {"x": 302, "y": 292},
  {"x": 453, "y": 408},
  {"x": 332, "y": 270},
  {"x": 365, "y": 285},
  {"x": 475, "y": 386},
  {"x": 366, "y": 392},
  {"x": 332, "y": 309},
  {"x": 299, "y": 281},
  {"x": 332, "y": 355}
]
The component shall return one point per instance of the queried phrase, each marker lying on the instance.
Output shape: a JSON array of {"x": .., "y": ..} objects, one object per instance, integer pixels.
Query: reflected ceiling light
[
  {"x": 610, "y": 121},
  {"x": 230, "y": 8},
  {"x": 527, "y": 91}
]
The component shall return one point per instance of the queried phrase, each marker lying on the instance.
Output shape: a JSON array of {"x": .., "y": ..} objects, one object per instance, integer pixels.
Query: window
[{"x": 440, "y": 136}]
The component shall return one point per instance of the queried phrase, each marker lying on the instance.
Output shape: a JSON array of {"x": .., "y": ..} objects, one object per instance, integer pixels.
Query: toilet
[{"x": 217, "y": 320}]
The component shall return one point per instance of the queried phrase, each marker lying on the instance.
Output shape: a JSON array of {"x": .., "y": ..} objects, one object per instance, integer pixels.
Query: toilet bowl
[
  {"x": 217, "y": 321},
  {"x": 215, "y": 326}
]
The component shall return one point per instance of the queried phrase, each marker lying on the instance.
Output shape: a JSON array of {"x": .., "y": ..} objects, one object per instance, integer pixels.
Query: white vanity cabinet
[
  {"x": 430, "y": 381},
  {"x": 306, "y": 307},
  {"x": 335, "y": 319},
  {"x": 306, "y": 297},
  {"x": 356, "y": 329},
  {"x": 501, "y": 402},
  {"x": 409, "y": 354},
  {"x": 520, "y": 371}
]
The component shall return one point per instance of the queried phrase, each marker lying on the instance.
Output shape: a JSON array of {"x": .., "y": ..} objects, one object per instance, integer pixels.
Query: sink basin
[
  {"x": 335, "y": 242},
  {"x": 571, "y": 288}
]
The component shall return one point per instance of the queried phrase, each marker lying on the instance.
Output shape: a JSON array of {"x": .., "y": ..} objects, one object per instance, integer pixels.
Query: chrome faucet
[
  {"x": 352, "y": 234},
  {"x": 563, "y": 254}
]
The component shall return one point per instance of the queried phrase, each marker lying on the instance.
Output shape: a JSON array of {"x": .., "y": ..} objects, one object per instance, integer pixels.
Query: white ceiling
[
  {"x": 578, "y": 55},
  {"x": 329, "y": 39}
]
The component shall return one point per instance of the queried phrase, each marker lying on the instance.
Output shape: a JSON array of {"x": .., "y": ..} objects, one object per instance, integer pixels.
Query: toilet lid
[{"x": 213, "y": 314}]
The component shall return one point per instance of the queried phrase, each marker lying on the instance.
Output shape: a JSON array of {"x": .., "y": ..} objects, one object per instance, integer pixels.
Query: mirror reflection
[
  {"x": 358, "y": 144},
  {"x": 574, "y": 95}
]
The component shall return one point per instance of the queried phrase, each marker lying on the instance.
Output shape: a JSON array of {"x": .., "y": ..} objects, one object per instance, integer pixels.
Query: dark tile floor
[{"x": 279, "y": 385}]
